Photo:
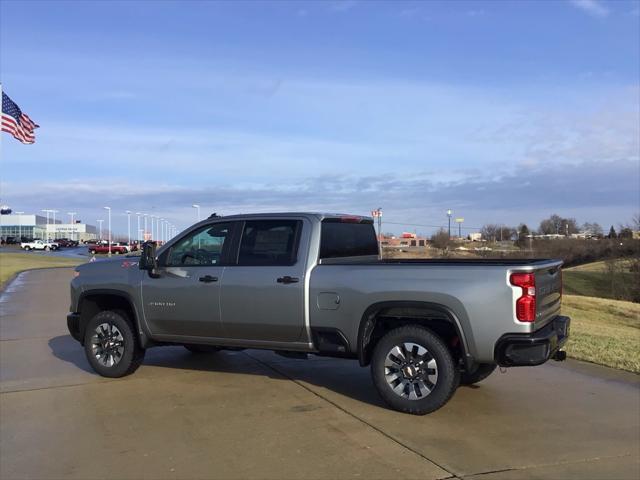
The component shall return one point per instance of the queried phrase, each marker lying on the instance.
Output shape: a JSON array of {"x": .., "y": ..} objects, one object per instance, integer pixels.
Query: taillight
[{"x": 526, "y": 304}]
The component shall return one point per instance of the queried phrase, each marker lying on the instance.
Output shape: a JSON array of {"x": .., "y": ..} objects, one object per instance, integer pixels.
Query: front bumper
[
  {"x": 73, "y": 324},
  {"x": 526, "y": 350}
]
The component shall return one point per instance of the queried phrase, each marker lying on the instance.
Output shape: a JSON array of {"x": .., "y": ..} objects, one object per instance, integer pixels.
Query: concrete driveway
[{"x": 255, "y": 414}]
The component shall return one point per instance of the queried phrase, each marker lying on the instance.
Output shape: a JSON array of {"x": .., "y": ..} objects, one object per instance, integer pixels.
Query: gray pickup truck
[{"x": 309, "y": 283}]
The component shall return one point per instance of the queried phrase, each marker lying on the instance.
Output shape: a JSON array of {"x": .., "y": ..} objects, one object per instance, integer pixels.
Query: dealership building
[{"x": 37, "y": 226}]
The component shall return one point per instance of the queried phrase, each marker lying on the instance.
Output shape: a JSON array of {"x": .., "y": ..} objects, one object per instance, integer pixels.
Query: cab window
[
  {"x": 269, "y": 242},
  {"x": 201, "y": 247}
]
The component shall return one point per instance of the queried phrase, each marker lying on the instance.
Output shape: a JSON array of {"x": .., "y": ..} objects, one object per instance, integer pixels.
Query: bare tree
[
  {"x": 441, "y": 239},
  {"x": 556, "y": 224}
]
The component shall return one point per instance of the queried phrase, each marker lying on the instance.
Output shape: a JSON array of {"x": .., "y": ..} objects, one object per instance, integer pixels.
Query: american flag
[{"x": 17, "y": 123}]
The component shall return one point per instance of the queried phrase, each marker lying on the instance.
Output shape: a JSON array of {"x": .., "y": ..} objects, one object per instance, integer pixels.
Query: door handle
[
  {"x": 208, "y": 279},
  {"x": 287, "y": 279}
]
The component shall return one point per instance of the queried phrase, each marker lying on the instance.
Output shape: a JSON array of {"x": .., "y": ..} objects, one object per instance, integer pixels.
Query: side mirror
[{"x": 148, "y": 259}]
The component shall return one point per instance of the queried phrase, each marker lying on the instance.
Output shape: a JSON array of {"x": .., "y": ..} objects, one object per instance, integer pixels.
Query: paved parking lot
[{"x": 255, "y": 414}]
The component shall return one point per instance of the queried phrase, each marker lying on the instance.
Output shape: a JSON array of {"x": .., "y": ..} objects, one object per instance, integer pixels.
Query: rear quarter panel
[{"x": 479, "y": 297}]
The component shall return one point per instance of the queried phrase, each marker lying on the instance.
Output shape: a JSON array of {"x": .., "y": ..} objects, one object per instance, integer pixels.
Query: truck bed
[{"x": 495, "y": 262}]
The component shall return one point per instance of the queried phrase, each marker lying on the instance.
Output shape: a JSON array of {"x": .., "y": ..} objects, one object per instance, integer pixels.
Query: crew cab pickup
[
  {"x": 309, "y": 283},
  {"x": 39, "y": 245},
  {"x": 116, "y": 248}
]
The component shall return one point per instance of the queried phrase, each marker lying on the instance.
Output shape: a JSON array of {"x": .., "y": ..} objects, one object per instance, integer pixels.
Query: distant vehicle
[
  {"x": 39, "y": 245},
  {"x": 65, "y": 242},
  {"x": 104, "y": 248},
  {"x": 11, "y": 241},
  {"x": 309, "y": 283}
]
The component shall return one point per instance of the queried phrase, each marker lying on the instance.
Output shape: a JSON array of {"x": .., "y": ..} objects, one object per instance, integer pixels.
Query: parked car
[
  {"x": 39, "y": 245},
  {"x": 104, "y": 248},
  {"x": 304, "y": 284}
]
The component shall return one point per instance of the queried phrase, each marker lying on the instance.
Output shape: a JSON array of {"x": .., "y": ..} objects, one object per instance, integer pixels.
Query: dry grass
[
  {"x": 12, "y": 263},
  {"x": 604, "y": 331}
]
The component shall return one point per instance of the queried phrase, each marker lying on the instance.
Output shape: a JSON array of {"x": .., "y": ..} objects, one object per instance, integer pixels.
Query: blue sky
[{"x": 503, "y": 111}]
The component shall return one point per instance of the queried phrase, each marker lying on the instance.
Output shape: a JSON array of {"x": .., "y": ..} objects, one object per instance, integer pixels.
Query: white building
[
  {"x": 35, "y": 226},
  {"x": 72, "y": 231}
]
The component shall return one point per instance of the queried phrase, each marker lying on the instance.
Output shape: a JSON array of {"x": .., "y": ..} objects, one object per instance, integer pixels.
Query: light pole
[
  {"x": 459, "y": 222},
  {"x": 197, "y": 207},
  {"x": 145, "y": 227},
  {"x": 109, "y": 210},
  {"x": 72, "y": 214},
  {"x": 54, "y": 221},
  {"x": 138, "y": 230},
  {"x": 47, "y": 233},
  {"x": 161, "y": 230},
  {"x": 153, "y": 230},
  {"x": 128, "y": 212},
  {"x": 100, "y": 226},
  {"x": 19, "y": 226},
  {"x": 449, "y": 212}
]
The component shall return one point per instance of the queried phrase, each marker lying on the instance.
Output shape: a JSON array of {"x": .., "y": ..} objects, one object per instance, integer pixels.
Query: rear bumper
[
  {"x": 526, "y": 350},
  {"x": 73, "y": 324}
]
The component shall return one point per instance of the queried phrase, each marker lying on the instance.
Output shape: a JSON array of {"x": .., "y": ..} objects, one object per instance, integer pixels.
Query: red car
[{"x": 104, "y": 248}]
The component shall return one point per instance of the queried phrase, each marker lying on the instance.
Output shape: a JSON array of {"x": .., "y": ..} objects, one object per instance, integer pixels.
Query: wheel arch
[
  {"x": 435, "y": 316},
  {"x": 96, "y": 300}
]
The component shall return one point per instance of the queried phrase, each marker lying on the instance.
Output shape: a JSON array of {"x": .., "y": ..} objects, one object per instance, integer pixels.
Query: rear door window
[
  {"x": 339, "y": 239},
  {"x": 269, "y": 242}
]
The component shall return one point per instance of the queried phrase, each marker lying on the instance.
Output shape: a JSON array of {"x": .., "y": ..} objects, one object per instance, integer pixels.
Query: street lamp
[
  {"x": 72, "y": 214},
  {"x": 153, "y": 231},
  {"x": 197, "y": 207},
  {"x": 47, "y": 212},
  {"x": 109, "y": 210},
  {"x": 19, "y": 226},
  {"x": 138, "y": 230},
  {"x": 145, "y": 226},
  {"x": 54, "y": 221},
  {"x": 162, "y": 230},
  {"x": 449, "y": 213},
  {"x": 100, "y": 226},
  {"x": 128, "y": 212}
]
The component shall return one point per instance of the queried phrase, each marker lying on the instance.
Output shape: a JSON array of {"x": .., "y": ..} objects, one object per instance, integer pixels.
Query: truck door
[
  {"x": 185, "y": 298},
  {"x": 263, "y": 294}
]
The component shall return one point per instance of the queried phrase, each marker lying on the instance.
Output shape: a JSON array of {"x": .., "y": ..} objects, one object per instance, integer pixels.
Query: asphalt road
[{"x": 255, "y": 414}]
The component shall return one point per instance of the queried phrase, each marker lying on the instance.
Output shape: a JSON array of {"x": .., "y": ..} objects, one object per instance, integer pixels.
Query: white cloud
[
  {"x": 592, "y": 7},
  {"x": 343, "y": 5}
]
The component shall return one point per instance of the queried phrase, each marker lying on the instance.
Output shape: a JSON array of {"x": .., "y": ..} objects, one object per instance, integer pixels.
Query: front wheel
[
  {"x": 27, "y": 249},
  {"x": 111, "y": 346},
  {"x": 413, "y": 370}
]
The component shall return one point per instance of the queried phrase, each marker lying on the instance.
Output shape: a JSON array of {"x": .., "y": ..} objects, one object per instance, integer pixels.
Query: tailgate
[{"x": 548, "y": 293}]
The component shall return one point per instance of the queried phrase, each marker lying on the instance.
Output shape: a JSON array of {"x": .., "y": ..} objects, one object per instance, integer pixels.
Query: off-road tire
[
  {"x": 448, "y": 376},
  {"x": 132, "y": 355},
  {"x": 483, "y": 371},
  {"x": 197, "y": 349}
]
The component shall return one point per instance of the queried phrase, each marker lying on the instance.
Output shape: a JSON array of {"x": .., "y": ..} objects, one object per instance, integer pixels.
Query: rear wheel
[
  {"x": 194, "y": 348},
  {"x": 111, "y": 346},
  {"x": 413, "y": 370},
  {"x": 46, "y": 249},
  {"x": 483, "y": 371},
  {"x": 92, "y": 252},
  {"x": 27, "y": 248}
]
